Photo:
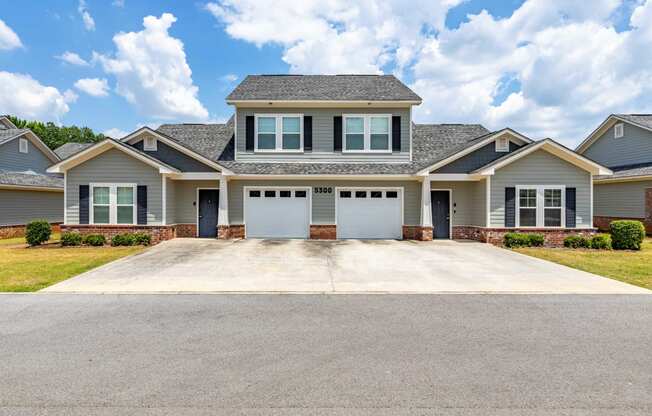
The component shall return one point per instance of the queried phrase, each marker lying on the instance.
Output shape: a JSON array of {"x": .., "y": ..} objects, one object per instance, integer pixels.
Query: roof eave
[{"x": 324, "y": 103}]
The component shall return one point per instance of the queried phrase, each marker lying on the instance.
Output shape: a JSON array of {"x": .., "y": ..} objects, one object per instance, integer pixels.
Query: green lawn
[
  {"x": 25, "y": 269},
  {"x": 21, "y": 240},
  {"x": 634, "y": 267}
]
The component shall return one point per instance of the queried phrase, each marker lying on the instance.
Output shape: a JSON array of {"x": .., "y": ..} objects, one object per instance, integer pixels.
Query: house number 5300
[{"x": 320, "y": 190}]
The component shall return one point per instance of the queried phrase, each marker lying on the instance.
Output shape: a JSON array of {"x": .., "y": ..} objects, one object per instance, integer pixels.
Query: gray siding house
[
  {"x": 327, "y": 157},
  {"x": 623, "y": 142},
  {"x": 27, "y": 192}
]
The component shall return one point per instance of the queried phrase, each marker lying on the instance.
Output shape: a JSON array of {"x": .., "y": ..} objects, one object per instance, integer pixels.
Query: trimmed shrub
[
  {"x": 125, "y": 239},
  {"x": 95, "y": 240},
  {"x": 513, "y": 240},
  {"x": 71, "y": 239},
  {"x": 601, "y": 242},
  {"x": 37, "y": 232},
  {"x": 627, "y": 234},
  {"x": 576, "y": 241},
  {"x": 142, "y": 239}
]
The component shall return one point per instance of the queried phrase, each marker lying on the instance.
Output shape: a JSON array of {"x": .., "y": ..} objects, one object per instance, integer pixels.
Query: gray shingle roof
[
  {"x": 209, "y": 140},
  {"x": 322, "y": 88},
  {"x": 641, "y": 119},
  {"x": 6, "y": 134},
  {"x": 629, "y": 171},
  {"x": 30, "y": 179},
  {"x": 66, "y": 150}
]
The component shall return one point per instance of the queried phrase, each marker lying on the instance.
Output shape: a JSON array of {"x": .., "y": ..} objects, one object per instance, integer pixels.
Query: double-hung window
[
  {"x": 113, "y": 203},
  {"x": 540, "y": 206},
  {"x": 367, "y": 133},
  {"x": 279, "y": 133}
]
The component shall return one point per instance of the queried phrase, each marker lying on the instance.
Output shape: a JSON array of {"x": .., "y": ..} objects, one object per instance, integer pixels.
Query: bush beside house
[
  {"x": 514, "y": 240},
  {"x": 38, "y": 232},
  {"x": 627, "y": 234}
]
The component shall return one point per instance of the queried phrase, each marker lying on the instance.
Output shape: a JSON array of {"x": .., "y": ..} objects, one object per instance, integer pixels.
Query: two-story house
[
  {"x": 623, "y": 142},
  {"x": 327, "y": 157},
  {"x": 27, "y": 192}
]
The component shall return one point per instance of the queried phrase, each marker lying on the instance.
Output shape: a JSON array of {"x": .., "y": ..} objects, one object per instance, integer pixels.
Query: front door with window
[
  {"x": 207, "y": 212},
  {"x": 440, "y": 214}
]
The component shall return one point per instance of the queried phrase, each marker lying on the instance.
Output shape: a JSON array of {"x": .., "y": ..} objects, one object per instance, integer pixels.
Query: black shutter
[
  {"x": 510, "y": 207},
  {"x": 337, "y": 133},
  {"x": 396, "y": 133},
  {"x": 570, "y": 207},
  {"x": 307, "y": 133},
  {"x": 249, "y": 133},
  {"x": 83, "y": 204},
  {"x": 141, "y": 199}
]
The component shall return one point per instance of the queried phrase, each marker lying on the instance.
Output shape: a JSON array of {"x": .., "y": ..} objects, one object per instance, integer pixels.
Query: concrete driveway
[{"x": 352, "y": 266}]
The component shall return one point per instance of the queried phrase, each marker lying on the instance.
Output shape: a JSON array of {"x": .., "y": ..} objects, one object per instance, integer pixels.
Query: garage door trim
[
  {"x": 246, "y": 189},
  {"x": 400, "y": 189}
]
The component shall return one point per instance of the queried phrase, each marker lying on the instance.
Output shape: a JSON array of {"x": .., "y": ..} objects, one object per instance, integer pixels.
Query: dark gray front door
[
  {"x": 440, "y": 214},
  {"x": 208, "y": 201}
]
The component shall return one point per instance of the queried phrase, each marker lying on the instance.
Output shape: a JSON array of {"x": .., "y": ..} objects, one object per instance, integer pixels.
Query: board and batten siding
[
  {"x": 173, "y": 157},
  {"x": 21, "y": 207},
  {"x": 634, "y": 147},
  {"x": 623, "y": 199},
  {"x": 541, "y": 168},
  {"x": 185, "y": 199},
  {"x": 476, "y": 159},
  {"x": 114, "y": 166},
  {"x": 12, "y": 160},
  {"x": 323, "y": 204},
  {"x": 467, "y": 200},
  {"x": 322, "y": 134}
]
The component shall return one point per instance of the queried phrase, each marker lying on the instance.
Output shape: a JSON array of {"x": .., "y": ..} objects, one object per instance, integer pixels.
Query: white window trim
[
  {"x": 619, "y": 130},
  {"x": 540, "y": 209},
  {"x": 502, "y": 145},
  {"x": 367, "y": 133},
  {"x": 113, "y": 202},
  {"x": 279, "y": 133},
  {"x": 152, "y": 146},
  {"x": 23, "y": 145}
]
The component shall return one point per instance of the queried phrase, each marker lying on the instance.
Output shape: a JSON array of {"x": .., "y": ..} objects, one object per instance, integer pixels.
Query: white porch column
[
  {"x": 223, "y": 205},
  {"x": 426, "y": 209}
]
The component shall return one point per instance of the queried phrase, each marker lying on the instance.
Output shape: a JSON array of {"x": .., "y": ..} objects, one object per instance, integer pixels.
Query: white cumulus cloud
[
  {"x": 93, "y": 86},
  {"x": 25, "y": 97},
  {"x": 115, "y": 133},
  {"x": 152, "y": 73},
  {"x": 82, "y": 9},
  {"x": 72, "y": 58},
  {"x": 8, "y": 38}
]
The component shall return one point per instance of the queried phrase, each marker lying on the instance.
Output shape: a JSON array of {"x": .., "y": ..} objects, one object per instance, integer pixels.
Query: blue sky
[{"x": 549, "y": 68}]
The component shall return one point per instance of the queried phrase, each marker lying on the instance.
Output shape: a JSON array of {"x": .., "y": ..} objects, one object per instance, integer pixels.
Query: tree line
[{"x": 54, "y": 136}]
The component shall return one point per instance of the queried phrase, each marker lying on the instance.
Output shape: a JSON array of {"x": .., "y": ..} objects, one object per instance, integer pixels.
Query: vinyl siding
[
  {"x": 468, "y": 201},
  {"x": 634, "y": 147},
  {"x": 185, "y": 198},
  {"x": 475, "y": 159},
  {"x": 21, "y": 207},
  {"x": 323, "y": 204},
  {"x": 541, "y": 168},
  {"x": 12, "y": 160},
  {"x": 114, "y": 166},
  {"x": 624, "y": 199},
  {"x": 174, "y": 157},
  {"x": 322, "y": 134}
]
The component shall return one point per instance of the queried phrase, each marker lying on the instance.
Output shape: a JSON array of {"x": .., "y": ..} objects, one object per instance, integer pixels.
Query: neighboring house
[
  {"x": 623, "y": 142},
  {"x": 27, "y": 192},
  {"x": 327, "y": 157}
]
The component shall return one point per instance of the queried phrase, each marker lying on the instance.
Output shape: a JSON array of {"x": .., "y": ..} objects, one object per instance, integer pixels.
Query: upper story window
[
  {"x": 23, "y": 145},
  {"x": 367, "y": 133},
  {"x": 540, "y": 206},
  {"x": 150, "y": 144},
  {"x": 502, "y": 144},
  {"x": 279, "y": 133},
  {"x": 619, "y": 130}
]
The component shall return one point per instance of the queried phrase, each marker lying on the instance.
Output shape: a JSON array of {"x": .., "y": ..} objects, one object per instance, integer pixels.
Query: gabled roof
[
  {"x": 107, "y": 144},
  {"x": 5, "y": 123},
  {"x": 322, "y": 88},
  {"x": 68, "y": 149},
  {"x": 552, "y": 147},
  {"x": 30, "y": 180},
  {"x": 643, "y": 121},
  {"x": 8, "y": 135},
  {"x": 636, "y": 172}
]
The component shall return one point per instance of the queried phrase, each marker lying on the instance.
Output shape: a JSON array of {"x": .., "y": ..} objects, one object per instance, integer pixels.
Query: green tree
[{"x": 54, "y": 136}]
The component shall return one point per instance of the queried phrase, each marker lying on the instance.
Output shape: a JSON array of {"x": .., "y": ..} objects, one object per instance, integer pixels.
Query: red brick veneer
[
  {"x": 323, "y": 232},
  {"x": 227, "y": 232},
  {"x": 417, "y": 232},
  {"x": 185, "y": 230},
  {"x": 158, "y": 232},
  {"x": 14, "y": 231},
  {"x": 553, "y": 237}
]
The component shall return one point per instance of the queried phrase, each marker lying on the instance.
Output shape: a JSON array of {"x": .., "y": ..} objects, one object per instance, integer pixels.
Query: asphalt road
[{"x": 325, "y": 355}]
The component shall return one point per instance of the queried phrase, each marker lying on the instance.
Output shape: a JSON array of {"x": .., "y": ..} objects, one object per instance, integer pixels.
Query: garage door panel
[
  {"x": 277, "y": 217},
  {"x": 369, "y": 218}
]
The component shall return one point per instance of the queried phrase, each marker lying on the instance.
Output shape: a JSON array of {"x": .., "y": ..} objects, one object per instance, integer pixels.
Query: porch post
[
  {"x": 223, "y": 205},
  {"x": 426, "y": 209}
]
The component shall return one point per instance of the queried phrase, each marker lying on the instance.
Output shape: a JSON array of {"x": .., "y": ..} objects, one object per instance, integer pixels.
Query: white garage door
[
  {"x": 277, "y": 213},
  {"x": 369, "y": 213}
]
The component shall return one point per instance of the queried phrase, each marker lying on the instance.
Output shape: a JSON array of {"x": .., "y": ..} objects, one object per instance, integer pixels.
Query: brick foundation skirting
[
  {"x": 417, "y": 232},
  {"x": 15, "y": 231},
  {"x": 602, "y": 223},
  {"x": 227, "y": 232},
  {"x": 496, "y": 236},
  {"x": 185, "y": 230},
  {"x": 157, "y": 232},
  {"x": 467, "y": 233},
  {"x": 323, "y": 232}
]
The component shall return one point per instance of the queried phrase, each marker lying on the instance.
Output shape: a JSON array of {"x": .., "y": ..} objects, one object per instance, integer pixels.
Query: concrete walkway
[{"x": 352, "y": 266}]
